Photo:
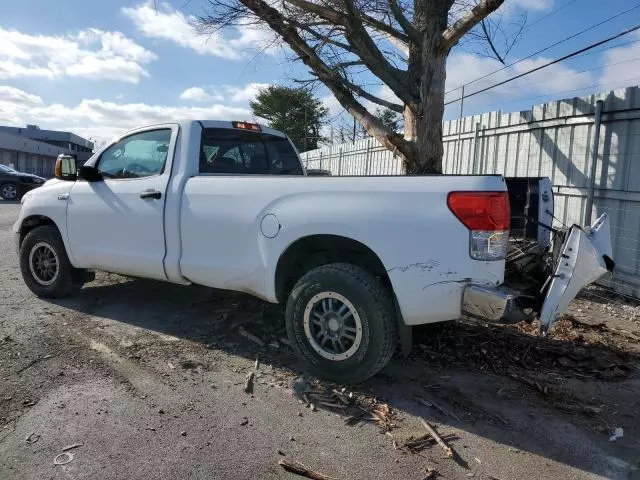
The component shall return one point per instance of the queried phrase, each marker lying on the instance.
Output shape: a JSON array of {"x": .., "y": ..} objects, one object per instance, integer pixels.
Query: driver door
[{"x": 117, "y": 224}]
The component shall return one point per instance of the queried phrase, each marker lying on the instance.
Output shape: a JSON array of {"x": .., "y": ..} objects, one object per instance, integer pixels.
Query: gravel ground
[{"x": 149, "y": 378}]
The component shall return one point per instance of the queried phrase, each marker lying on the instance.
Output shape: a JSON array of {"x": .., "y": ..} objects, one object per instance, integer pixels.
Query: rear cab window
[{"x": 238, "y": 152}]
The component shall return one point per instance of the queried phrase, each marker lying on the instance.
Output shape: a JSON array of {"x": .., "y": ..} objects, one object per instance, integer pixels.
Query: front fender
[{"x": 48, "y": 201}]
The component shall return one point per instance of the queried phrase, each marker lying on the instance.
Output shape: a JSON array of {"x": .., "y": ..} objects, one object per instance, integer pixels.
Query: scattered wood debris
[
  {"x": 417, "y": 444},
  {"x": 354, "y": 407},
  {"x": 248, "y": 382},
  {"x": 72, "y": 446},
  {"x": 447, "y": 449},
  {"x": 573, "y": 349},
  {"x": 430, "y": 473},
  {"x": 32, "y": 363},
  {"x": 393, "y": 440},
  {"x": 250, "y": 336},
  {"x": 432, "y": 403},
  {"x": 300, "y": 469}
]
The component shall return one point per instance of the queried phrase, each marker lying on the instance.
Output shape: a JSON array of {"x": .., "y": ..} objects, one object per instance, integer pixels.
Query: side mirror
[
  {"x": 89, "y": 174},
  {"x": 65, "y": 168}
]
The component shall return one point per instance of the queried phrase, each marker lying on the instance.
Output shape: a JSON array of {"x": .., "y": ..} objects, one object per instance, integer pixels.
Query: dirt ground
[{"x": 149, "y": 379}]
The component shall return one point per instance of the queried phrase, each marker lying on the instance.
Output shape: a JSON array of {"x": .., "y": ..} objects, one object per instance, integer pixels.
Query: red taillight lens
[
  {"x": 488, "y": 211},
  {"x": 247, "y": 126}
]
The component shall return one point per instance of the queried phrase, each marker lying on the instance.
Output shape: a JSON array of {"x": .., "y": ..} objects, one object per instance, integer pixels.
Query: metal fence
[{"x": 554, "y": 140}]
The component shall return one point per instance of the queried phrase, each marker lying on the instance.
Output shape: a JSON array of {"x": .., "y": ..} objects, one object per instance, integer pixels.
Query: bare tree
[{"x": 339, "y": 39}]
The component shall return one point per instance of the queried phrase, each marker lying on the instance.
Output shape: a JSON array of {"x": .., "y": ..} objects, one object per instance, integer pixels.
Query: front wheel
[
  {"x": 340, "y": 320},
  {"x": 45, "y": 265},
  {"x": 9, "y": 191}
]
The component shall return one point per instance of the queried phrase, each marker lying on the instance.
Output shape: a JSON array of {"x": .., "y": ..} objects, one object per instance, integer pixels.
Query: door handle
[{"x": 156, "y": 195}]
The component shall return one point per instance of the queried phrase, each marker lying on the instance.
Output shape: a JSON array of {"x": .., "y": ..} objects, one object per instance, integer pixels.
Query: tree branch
[
  {"x": 320, "y": 36},
  {"x": 411, "y": 31},
  {"x": 374, "y": 59},
  {"x": 490, "y": 41},
  {"x": 383, "y": 27},
  {"x": 331, "y": 78},
  {"x": 348, "y": 64},
  {"x": 364, "y": 94},
  {"x": 455, "y": 32},
  {"x": 328, "y": 14}
]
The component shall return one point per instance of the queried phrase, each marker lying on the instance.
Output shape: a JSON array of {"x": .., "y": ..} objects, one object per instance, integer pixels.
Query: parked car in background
[{"x": 14, "y": 184}]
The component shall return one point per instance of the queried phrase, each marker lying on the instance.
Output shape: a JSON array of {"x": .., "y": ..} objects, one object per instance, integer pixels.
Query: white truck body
[{"x": 232, "y": 232}]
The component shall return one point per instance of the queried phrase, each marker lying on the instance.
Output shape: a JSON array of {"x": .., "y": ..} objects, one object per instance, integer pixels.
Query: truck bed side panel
[{"x": 404, "y": 220}]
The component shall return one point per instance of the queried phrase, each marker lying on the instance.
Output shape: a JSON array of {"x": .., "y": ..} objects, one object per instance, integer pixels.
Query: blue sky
[{"x": 98, "y": 68}]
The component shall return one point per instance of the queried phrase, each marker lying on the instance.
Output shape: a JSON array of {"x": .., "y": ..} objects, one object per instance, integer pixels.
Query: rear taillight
[{"x": 486, "y": 215}]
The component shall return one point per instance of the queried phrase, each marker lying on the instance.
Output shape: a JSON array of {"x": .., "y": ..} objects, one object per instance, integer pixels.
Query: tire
[
  {"x": 362, "y": 353},
  {"x": 37, "y": 251},
  {"x": 10, "y": 191}
]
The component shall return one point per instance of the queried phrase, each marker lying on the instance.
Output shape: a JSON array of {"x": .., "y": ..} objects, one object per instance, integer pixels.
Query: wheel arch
[
  {"x": 313, "y": 251},
  {"x": 34, "y": 221}
]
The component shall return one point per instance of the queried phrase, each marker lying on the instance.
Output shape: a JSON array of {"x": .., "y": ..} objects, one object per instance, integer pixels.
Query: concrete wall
[{"x": 554, "y": 140}]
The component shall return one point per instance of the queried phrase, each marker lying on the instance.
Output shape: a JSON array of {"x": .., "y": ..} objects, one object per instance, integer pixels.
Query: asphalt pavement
[{"x": 145, "y": 380}]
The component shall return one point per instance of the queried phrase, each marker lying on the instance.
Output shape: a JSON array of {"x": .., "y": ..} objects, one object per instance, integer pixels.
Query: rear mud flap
[{"x": 585, "y": 257}]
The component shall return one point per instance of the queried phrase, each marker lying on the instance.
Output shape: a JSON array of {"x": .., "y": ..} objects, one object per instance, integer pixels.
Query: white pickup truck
[{"x": 357, "y": 260}]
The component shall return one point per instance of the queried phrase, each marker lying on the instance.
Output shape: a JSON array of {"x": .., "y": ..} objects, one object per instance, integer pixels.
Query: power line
[
  {"x": 526, "y": 84},
  {"x": 595, "y": 52},
  {"x": 589, "y": 87},
  {"x": 549, "y": 47},
  {"x": 548, "y": 64}
]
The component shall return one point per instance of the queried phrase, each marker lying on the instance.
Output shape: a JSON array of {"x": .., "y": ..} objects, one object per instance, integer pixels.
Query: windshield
[{"x": 4, "y": 168}]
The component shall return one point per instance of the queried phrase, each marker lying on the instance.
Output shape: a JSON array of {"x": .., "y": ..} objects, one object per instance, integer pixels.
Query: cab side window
[{"x": 139, "y": 155}]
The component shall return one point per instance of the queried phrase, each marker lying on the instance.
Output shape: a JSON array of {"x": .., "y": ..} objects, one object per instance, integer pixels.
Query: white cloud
[
  {"x": 90, "y": 53},
  {"x": 197, "y": 94},
  {"x": 14, "y": 95},
  {"x": 167, "y": 23},
  {"x": 246, "y": 93},
  {"x": 621, "y": 65},
  {"x": 231, "y": 93},
  {"x": 101, "y": 119},
  {"x": 512, "y": 7},
  {"x": 331, "y": 103},
  {"x": 536, "y": 5}
]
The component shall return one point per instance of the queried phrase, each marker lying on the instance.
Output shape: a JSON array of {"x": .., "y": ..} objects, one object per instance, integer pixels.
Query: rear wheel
[
  {"x": 9, "y": 191},
  {"x": 340, "y": 320},
  {"x": 45, "y": 265}
]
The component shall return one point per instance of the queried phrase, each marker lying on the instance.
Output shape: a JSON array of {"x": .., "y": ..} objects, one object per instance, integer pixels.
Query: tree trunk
[
  {"x": 423, "y": 122},
  {"x": 427, "y": 67}
]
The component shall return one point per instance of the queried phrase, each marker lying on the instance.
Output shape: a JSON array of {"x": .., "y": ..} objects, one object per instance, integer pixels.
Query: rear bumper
[{"x": 495, "y": 305}]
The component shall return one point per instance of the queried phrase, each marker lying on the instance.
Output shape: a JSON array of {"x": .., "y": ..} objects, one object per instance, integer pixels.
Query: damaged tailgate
[
  {"x": 542, "y": 275},
  {"x": 585, "y": 257}
]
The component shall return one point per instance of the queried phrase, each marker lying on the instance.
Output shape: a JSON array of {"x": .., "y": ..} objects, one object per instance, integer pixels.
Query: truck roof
[
  {"x": 206, "y": 124},
  {"x": 229, "y": 124}
]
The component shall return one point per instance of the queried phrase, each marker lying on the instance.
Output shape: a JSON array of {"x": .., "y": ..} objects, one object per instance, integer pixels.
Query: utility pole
[
  {"x": 458, "y": 149},
  {"x": 588, "y": 208}
]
